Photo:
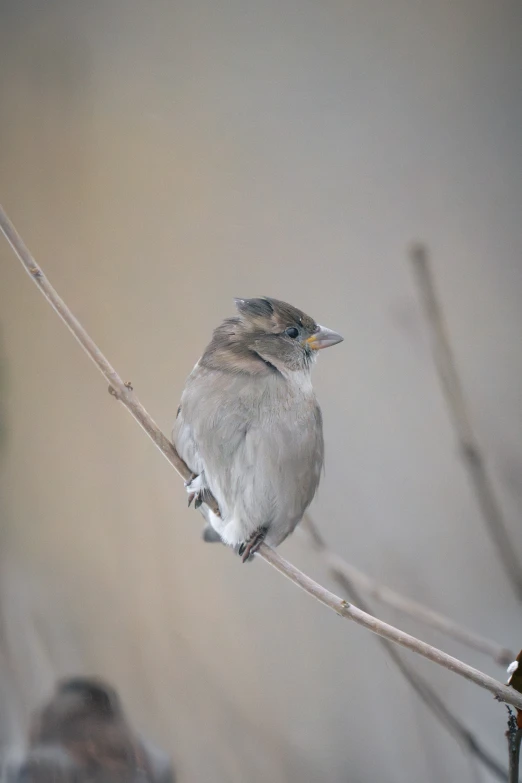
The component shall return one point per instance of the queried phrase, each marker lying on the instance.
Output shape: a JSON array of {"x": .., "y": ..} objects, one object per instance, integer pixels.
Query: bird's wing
[
  {"x": 261, "y": 469},
  {"x": 210, "y": 427}
]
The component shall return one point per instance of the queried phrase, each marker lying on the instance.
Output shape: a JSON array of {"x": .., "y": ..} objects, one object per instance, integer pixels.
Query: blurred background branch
[
  {"x": 350, "y": 580},
  {"x": 459, "y": 413},
  {"x": 407, "y": 606}
]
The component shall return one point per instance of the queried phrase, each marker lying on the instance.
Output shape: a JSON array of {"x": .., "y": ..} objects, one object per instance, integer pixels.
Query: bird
[
  {"x": 81, "y": 735},
  {"x": 249, "y": 426}
]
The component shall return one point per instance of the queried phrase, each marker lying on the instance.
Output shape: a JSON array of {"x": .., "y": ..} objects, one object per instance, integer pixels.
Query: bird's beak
[{"x": 323, "y": 338}]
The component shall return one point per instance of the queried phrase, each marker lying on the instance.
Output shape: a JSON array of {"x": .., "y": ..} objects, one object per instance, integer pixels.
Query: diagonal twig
[
  {"x": 470, "y": 449},
  {"x": 341, "y": 573},
  {"x": 501, "y": 655},
  {"x": 126, "y": 395}
]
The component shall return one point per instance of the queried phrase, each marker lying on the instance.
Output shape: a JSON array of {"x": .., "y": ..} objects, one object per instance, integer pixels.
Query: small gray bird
[{"x": 249, "y": 426}]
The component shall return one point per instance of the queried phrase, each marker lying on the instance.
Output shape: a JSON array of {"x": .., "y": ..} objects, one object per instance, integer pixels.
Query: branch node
[{"x": 120, "y": 394}]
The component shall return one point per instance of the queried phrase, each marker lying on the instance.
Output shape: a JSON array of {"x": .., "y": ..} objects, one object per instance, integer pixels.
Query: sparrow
[
  {"x": 82, "y": 736},
  {"x": 249, "y": 426}
]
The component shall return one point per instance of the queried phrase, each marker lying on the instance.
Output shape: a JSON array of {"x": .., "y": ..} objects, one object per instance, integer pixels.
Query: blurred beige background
[{"x": 160, "y": 158}]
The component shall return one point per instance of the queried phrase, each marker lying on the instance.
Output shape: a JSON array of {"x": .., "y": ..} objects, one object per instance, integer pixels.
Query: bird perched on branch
[{"x": 249, "y": 426}]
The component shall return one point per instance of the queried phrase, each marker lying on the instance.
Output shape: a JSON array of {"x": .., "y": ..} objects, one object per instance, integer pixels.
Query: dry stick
[
  {"x": 350, "y": 612},
  {"x": 122, "y": 391},
  {"x": 469, "y": 446},
  {"x": 514, "y": 756},
  {"x": 514, "y": 736},
  {"x": 502, "y": 655},
  {"x": 126, "y": 395},
  {"x": 422, "y": 688}
]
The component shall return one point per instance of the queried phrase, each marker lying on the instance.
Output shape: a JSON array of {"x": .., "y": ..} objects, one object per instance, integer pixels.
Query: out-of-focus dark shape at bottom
[{"x": 82, "y": 736}]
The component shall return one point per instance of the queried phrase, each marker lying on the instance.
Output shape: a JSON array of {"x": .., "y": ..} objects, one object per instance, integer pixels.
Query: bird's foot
[
  {"x": 196, "y": 489},
  {"x": 250, "y": 547}
]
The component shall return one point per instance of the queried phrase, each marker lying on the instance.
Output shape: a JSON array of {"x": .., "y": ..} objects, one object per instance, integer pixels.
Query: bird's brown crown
[{"x": 267, "y": 336}]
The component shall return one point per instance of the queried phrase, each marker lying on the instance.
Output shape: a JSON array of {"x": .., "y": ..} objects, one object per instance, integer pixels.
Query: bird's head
[
  {"x": 75, "y": 700},
  {"x": 268, "y": 335}
]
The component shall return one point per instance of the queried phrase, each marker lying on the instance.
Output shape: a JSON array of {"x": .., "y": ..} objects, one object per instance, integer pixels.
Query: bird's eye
[{"x": 292, "y": 332}]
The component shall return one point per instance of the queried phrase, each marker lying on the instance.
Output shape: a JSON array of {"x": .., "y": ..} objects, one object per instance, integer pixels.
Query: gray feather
[{"x": 258, "y": 439}]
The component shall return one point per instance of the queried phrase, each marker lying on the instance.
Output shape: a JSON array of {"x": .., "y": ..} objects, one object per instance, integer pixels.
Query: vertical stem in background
[
  {"x": 422, "y": 688},
  {"x": 458, "y": 409},
  {"x": 514, "y": 736}
]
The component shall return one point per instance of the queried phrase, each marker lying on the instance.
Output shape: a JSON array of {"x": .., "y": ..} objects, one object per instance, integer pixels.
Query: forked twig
[
  {"x": 470, "y": 449},
  {"x": 128, "y": 398}
]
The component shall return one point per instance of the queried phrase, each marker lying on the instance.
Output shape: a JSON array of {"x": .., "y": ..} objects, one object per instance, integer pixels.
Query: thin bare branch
[
  {"x": 332, "y": 601},
  {"x": 350, "y": 612},
  {"x": 422, "y": 688},
  {"x": 385, "y": 595},
  {"x": 470, "y": 449},
  {"x": 122, "y": 391}
]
